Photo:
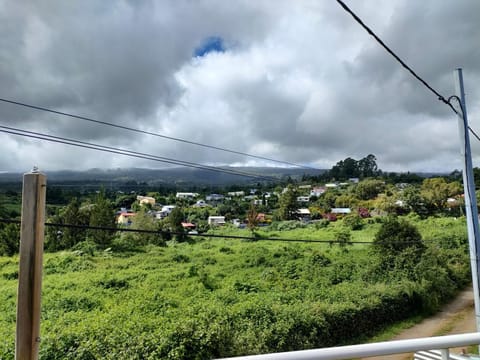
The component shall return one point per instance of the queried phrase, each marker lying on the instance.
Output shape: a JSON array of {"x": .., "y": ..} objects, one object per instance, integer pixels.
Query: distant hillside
[{"x": 172, "y": 176}]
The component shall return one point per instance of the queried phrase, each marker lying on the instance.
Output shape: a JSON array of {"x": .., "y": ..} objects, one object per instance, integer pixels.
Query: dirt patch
[{"x": 457, "y": 317}]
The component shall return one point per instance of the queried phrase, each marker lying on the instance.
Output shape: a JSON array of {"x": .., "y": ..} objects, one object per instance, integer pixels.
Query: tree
[
  {"x": 252, "y": 218},
  {"x": 345, "y": 201},
  {"x": 367, "y": 167},
  {"x": 436, "y": 191},
  {"x": 395, "y": 236},
  {"x": 344, "y": 238},
  {"x": 345, "y": 169},
  {"x": 413, "y": 200},
  {"x": 351, "y": 168},
  {"x": 175, "y": 219},
  {"x": 72, "y": 214},
  {"x": 353, "y": 221},
  {"x": 102, "y": 215},
  {"x": 144, "y": 221},
  {"x": 9, "y": 239},
  {"x": 64, "y": 237},
  {"x": 387, "y": 204},
  {"x": 288, "y": 204},
  {"x": 369, "y": 189}
]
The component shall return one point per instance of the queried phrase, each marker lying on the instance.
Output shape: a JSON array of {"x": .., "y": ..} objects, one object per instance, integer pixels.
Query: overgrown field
[{"x": 218, "y": 297}]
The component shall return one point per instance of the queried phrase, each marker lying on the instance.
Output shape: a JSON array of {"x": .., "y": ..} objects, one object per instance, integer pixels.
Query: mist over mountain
[{"x": 171, "y": 176}]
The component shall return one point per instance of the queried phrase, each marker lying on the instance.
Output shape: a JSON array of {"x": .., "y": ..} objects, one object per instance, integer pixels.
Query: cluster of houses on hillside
[{"x": 125, "y": 217}]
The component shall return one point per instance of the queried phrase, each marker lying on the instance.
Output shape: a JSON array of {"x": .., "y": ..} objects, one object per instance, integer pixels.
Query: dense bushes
[
  {"x": 9, "y": 239},
  {"x": 221, "y": 298}
]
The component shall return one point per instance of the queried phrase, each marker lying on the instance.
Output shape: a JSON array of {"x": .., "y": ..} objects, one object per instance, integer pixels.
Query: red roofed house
[{"x": 125, "y": 218}]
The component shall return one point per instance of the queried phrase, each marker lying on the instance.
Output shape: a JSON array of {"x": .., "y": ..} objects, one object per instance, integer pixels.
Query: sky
[{"x": 296, "y": 81}]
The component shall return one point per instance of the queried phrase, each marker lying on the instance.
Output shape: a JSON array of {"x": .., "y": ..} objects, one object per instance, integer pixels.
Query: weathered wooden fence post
[{"x": 27, "y": 339}]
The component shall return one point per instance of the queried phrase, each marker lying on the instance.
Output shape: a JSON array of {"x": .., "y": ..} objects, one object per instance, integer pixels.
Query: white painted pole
[
  {"x": 469, "y": 192},
  {"x": 27, "y": 339}
]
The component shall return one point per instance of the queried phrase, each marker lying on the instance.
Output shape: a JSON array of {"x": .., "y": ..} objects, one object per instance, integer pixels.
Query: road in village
[{"x": 457, "y": 317}]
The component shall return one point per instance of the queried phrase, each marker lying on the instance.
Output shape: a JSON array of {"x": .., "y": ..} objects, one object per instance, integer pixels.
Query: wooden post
[{"x": 30, "y": 269}]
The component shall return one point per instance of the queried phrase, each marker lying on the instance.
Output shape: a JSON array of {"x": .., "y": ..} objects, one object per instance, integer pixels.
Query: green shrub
[
  {"x": 353, "y": 221},
  {"x": 321, "y": 224}
]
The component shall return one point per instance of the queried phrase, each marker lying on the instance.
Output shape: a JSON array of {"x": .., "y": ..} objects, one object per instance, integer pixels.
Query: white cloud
[{"x": 299, "y": 81}]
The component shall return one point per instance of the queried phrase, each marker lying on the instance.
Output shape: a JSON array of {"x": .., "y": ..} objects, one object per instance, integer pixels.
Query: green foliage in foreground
[{"x": 217, "y": 298}]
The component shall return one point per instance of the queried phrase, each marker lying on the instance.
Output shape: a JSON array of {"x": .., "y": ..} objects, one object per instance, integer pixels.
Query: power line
[
  {"x": 109, "y": 149},
  {"x": 163, "y": 232},
  {"x": 235, "y": 237},
  {"x": 429, "y": 87},
  {"x": 153, "y": 134},
  {"x": 463, "y": 114},
  {"x": 391, "y": 52}
]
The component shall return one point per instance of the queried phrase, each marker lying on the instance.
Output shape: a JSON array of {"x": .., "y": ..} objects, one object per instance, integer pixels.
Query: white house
[
  {"x": 303, "y": 199},
  {"x": 305, "y": 187},
  {"x": 236, "y": 193},
  {"x": 215, "y": 197},
  {"x": 304, "y": 214},
  {"x": 186, "y": 195},
  {"x": 200, "y": 203},
  {"x": 317, "y": 191},
  {"x": 343, "y": 211},
  {"x": 216, "y": 220},
  {"x": 143, "y": 200},
  {"x": 166, "y": 210}
]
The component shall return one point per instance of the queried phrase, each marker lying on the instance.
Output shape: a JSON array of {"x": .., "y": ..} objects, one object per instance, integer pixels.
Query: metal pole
[
  {"x": 30, "y": 269},
  {"x": 469, "y": 192}
]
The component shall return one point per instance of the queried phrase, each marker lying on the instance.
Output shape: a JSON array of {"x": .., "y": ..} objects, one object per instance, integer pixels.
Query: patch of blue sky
[{"x": 210, "y": 44}]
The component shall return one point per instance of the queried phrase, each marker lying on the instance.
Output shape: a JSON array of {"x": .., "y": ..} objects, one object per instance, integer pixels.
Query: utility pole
[
  {"x": 469, "y": 192},
  {"x": 27, "y": 339}
]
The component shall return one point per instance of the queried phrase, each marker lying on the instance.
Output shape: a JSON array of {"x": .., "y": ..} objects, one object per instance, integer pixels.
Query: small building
[
  {"x": 216, "y": 220},
  {"x": 330, "y": 217},
  {"x": 125, "y": 218},
  {"x": 305, "y": 187},
  {"x": 317, "y": 191},
  {"x": 261, "y": 217},
  {"x": 188, "y": 226},
  {"x": 166, "y": 210},
  {"x": 303, "y": 214},
  {"x": 215, "y": 197},
  {"x": 186, "y": 195},
  {"x": 303, "y": 198},
  {"x": 341, "y": 211},
  {"x": 200, "y": 204},
  {"x": 236, "y": 193},
  {"x": 144, "y": 200}
]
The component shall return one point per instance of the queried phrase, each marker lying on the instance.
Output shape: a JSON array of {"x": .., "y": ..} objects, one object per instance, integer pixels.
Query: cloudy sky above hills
[{"x": 297, "y": 81}]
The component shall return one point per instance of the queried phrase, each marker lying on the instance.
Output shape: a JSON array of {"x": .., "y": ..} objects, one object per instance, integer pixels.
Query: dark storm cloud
[{"x": 300, "y": 81}]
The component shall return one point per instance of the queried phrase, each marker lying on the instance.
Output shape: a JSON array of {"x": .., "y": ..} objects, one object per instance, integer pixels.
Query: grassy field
[{"x": 220, "y": 297}]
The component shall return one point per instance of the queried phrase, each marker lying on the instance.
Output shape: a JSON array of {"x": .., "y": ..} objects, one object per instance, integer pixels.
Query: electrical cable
[
  {"x": 235, "y": 237},
  {"x": 162, "y": 232},
  {"x": 396, "y": 57},
  {"x": 83, "y": 144},
  {"x": 105, "y": 123}
]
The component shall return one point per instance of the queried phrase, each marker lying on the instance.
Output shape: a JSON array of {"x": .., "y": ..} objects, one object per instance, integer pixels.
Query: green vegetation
[
  {"x": 394, "y": 250},
  {"x": 219, "y": 297}
]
